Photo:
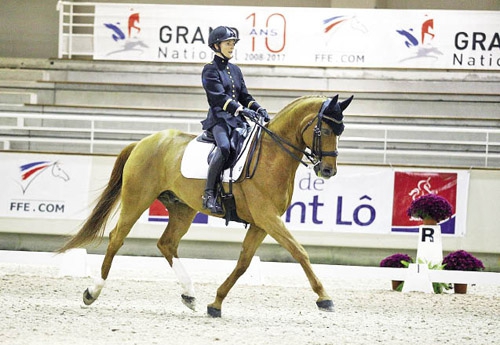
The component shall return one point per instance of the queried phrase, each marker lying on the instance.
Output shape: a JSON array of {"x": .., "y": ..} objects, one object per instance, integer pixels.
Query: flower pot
[
  {"x": 395, "y": 284},
  {"x": 429, "y": 221},
  {"x": 460, "y": 288}
]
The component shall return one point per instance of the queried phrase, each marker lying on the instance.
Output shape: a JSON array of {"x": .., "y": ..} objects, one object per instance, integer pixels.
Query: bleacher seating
[{"x": 439, "y": 118}]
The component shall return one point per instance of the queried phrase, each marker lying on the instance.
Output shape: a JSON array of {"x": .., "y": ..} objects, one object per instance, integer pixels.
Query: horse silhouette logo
[
  {"x": 421, "y": 43},
  {"x": 423, "y": 187},
  {"x": 31, "y": 171},
  {"x": 332, "y": 24},
  {"x": 130, "y": 42}
]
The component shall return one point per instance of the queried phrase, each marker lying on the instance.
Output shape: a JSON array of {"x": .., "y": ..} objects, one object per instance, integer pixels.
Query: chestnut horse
[{"x": 150, "y": 169}]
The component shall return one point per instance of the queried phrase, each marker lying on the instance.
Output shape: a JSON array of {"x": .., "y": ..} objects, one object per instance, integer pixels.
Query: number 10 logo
[{"x": 274, "y": 32}]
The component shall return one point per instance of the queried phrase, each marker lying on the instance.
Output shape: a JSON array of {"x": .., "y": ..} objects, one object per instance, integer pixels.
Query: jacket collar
[{"x": 221, "y": 62}]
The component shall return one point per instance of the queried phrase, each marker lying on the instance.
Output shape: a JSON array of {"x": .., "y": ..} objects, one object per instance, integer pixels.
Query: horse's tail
[{"x": 96, "y": 223}]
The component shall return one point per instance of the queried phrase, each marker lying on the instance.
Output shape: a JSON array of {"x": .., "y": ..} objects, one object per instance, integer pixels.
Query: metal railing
[
  {"x": 427, "y": 141},
  {"x": 83, "y": 133},
  {"x": 76, "y": 28},
  {"x": 85, "y": 130}
]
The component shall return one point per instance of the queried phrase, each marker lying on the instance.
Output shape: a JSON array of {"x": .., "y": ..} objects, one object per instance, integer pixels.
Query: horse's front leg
[
  {"x": 282, "y": 235},
  {"x": 252, "y": 241}
]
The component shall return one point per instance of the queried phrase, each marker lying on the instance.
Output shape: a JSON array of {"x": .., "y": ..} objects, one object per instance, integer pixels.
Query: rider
[{"x": 229, "y": 101}]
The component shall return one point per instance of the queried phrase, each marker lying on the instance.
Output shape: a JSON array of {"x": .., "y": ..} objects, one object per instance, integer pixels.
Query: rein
[{"x": 314, "y": 157}]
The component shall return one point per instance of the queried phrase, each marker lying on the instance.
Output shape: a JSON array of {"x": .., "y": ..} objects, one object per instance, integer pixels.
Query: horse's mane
[{"x": 299, "y": 101}]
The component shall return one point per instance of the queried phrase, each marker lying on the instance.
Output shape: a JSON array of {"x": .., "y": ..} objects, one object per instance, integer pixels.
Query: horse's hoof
[
  {"x": 214, "y": 312},
  {"x": 88, "y": 299},
  {"x": 325, "y": 305},
  {"x": 189, "y": 302}
]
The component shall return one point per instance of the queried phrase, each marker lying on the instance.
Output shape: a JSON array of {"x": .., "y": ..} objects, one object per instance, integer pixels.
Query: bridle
[{"x": 316, "y": 153}]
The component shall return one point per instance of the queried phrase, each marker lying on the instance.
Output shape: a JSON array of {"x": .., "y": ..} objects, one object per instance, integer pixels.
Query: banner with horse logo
[
  {"x": 359, "y": 199},
  {"x": 409, "y": 186},
  {"x": 44, "y": 186},
  {"x": 319, "y": 37},
  {"x": 374, "y": 199}
]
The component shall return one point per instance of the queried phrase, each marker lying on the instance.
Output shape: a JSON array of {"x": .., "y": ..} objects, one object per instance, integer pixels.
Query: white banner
[
  {"x": 359, "y": 199},
  {"x": 323, "y": 37},
  {"x": 44, "y": 186},
  {"x": 369, "y": 200}
]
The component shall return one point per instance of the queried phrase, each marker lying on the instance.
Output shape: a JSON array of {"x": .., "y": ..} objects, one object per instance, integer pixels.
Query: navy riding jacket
[{"x": 226, "y": 90}]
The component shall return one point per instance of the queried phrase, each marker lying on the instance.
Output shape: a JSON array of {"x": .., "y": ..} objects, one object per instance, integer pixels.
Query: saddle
[
  {"x": 195, "y": 159},
  {"x": 236, "y": 140},
  {"x": 200, "y": 151}
]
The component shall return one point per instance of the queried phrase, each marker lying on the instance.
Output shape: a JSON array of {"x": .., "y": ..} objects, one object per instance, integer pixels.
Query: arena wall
[
  {"x": 38, "y": 38},
  {"x": 481, "y": 237}
]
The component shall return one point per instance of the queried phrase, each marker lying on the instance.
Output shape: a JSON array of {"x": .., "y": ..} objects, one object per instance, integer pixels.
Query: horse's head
[
  {"x": 322, "y": 139},
  {"x": 57, "y": 171}
]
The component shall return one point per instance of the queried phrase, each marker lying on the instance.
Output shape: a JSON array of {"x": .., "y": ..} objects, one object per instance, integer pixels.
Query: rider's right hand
[{"x": 252, "y": 115}]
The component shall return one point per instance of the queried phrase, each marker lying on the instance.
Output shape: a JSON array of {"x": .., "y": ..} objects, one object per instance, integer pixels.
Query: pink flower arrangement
[
  {"x": 395, "y": 260},
  {"x": 430, "y": 206},
  {"x": 461, "y": 260}
]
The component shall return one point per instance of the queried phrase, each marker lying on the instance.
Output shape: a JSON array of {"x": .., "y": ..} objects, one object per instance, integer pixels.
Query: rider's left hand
[{"x": 263, "y": 114}]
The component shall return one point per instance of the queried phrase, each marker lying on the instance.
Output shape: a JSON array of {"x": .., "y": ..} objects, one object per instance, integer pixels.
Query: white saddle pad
[{"x": 194, "y": 161}]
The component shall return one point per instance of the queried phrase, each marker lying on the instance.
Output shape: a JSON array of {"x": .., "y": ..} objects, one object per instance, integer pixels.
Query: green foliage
[{"x": 437, "y": 287}]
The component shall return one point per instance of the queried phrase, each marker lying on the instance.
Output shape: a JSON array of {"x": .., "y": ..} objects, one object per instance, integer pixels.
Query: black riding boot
[{"x": 214, "y": 171}]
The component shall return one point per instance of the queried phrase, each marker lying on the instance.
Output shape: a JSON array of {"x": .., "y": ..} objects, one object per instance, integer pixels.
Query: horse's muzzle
[{"x": 325, "y": 171}]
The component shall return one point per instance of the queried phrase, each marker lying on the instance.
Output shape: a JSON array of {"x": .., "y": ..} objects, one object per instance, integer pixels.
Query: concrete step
[
  {"x": 20, "y": 98},
  {"x": 273, "y": 100},
  {"x": 23, "y": 74}
]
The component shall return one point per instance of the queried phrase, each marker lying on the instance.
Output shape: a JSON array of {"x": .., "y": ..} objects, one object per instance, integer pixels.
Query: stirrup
[{"x": 210, "y": 203}]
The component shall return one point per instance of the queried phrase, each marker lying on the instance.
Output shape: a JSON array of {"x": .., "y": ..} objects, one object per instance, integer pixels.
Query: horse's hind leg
[
  {"x": 180, "y": 218},
  {"x": 252, "y": 241},
  {"x": 130, "y": 212},
  {"x": 116, "y": 238}
]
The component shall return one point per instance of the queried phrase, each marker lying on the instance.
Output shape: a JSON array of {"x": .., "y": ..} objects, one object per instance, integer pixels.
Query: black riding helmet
[{"x": 221, "y": 34}]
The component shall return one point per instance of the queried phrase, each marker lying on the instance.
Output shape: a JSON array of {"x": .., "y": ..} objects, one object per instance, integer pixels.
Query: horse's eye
[{"x": 326, "y": 131}]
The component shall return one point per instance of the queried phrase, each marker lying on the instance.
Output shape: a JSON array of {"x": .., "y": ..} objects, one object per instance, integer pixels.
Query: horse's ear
[
  {"x": 344, "y": 104},
  {"x": 330, "y": 109}
]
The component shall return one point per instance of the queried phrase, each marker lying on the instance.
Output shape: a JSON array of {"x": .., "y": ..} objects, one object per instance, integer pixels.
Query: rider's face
[{"x": 227, "y": 48}]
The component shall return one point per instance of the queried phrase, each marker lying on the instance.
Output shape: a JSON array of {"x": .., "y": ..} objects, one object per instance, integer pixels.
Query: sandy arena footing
[{"x": 272, "y": 304}]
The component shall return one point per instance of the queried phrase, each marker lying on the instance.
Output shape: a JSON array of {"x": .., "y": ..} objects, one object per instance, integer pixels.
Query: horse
[{"x": 150, "y": 169}]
